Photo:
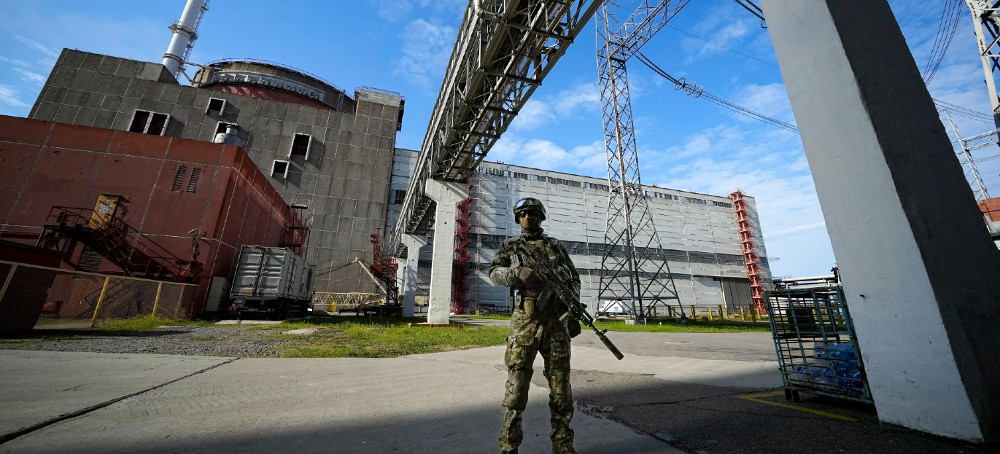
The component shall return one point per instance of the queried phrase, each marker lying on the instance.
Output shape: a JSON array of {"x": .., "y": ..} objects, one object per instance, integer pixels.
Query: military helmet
[{"x": 529, "y": 204}]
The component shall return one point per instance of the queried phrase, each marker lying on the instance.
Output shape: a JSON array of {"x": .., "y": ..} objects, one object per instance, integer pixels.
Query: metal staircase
[{"x": 113, "y": 240}]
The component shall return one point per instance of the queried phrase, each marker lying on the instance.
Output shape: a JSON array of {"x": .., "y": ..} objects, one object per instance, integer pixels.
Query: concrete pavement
[{"x": 697, "y": 392}]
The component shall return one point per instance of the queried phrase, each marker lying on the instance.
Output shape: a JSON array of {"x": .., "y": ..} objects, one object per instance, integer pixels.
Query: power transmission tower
[
  {"x": 634, "y": 266},
  {"x": 986, "y": 22},
  {"x": 965, "y": 156}
]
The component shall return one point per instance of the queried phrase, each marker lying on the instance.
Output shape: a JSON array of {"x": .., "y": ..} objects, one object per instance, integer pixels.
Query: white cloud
[
  {"x": 36, "y": 46},
  {"x": 539, "y": 113},
  {"x": 426, "y": 49},
  {"x": 15, "y": 62},
  {"x": 8, "y": 96},
  {"x": 30, "y": 76},
  {"x": 585, "y": 159}
]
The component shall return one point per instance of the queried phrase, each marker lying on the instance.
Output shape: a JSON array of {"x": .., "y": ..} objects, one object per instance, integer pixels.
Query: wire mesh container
[{"x": 815, "y": 342}]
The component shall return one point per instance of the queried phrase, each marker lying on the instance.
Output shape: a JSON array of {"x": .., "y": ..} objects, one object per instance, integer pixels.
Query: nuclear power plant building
[
  {"x": 332, "y": 158},
  {"x": 328, "y": 154}
]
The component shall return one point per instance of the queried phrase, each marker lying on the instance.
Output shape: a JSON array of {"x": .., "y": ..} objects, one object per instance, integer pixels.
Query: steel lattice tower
[
  {"x": 986, "y": 22},
  {"x": 634, "y": 266}
]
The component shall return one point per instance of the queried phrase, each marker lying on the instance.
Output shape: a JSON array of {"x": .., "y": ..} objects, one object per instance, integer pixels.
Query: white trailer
[{"x": 271, "y": 280}]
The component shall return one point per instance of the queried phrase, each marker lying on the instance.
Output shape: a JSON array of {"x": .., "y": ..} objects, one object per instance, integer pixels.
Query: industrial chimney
[{"x": 185, "y": 31}]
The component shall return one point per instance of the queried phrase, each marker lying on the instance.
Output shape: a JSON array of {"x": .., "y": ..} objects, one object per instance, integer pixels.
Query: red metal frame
[
  {"x": 460, "y": 266},
  {"x": 749, "y": 249},
  {"x": 384, "y": 268}
]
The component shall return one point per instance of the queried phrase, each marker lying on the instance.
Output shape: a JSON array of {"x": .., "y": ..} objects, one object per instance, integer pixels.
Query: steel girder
[{"x": 504, "y": 50}]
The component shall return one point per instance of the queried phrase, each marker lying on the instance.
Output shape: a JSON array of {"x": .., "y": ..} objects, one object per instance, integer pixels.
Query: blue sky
[{"x": 404, "y": 45}]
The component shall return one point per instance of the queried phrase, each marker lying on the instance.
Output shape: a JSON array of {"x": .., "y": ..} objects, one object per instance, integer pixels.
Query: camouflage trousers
[{"x": 528, "y": 337}]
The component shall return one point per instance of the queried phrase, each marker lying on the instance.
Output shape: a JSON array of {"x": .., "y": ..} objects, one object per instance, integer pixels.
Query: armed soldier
[{"x": 538, "y": 323}]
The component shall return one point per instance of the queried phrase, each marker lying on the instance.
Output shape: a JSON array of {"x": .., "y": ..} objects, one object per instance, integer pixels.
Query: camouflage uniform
[{"x": 535, "y": 327}]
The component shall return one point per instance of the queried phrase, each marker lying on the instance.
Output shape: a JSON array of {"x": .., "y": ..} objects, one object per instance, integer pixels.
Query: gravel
[{"x": 214, "y": 340}]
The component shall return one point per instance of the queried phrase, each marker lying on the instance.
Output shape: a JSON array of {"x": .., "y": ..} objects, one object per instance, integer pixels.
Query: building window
[
  {"x": 398, "y": 196},
  {"x": 279, "y": 168},
  {"x": 215, "y": 106},
  {"x": 221, "y": 127},
  {"x": 147, "y": 122},
  {"x": 300, "y": 146}
]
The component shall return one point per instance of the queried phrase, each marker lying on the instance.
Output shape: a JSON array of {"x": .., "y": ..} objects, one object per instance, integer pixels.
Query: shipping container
[{"x": 272, "y": 281}]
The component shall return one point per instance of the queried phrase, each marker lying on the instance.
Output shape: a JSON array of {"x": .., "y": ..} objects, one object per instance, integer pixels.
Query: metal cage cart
[{"x": 815, "y": 342}]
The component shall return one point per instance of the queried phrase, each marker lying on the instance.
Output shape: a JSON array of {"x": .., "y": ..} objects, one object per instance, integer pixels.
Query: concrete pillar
[
  {"x": 920, "y": 274},
  {"x": 413, "y": 244},
  {"x": 447, "y": 195}
]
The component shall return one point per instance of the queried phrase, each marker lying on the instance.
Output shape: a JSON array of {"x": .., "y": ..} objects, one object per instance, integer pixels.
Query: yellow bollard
[
  {"x": 742, "y": 316},
  {"x": 6, "y": 281},
  {"x": 709, "y": 313},
  {"x": 97, "y": 309},
  {"x": 180, "y": 298},
  {"x": 694, "y": 316},
  {"x": 156, "y": 302}
]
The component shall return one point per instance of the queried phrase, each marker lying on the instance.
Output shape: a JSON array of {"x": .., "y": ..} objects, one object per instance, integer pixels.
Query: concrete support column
[
  {"x": 920, "y": 274},
  {"x": 447, "y": 195},
  {"x": 413, "y": 244}
]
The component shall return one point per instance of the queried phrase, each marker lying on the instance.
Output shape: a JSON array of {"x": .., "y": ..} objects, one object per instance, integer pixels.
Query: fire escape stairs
[{"x": 111, "y": 240}]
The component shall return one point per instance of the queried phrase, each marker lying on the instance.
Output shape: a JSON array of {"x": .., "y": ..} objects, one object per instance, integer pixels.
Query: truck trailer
[{"x": 271, "y": 281}]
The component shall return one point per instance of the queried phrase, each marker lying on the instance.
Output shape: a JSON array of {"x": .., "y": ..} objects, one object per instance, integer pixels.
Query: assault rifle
[{"x": 559, "y": 282}]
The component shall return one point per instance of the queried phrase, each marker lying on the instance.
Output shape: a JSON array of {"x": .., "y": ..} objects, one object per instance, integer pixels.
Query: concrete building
[
  {"x": 697, "y": 231},
  {"x": 319, "y": 147}
]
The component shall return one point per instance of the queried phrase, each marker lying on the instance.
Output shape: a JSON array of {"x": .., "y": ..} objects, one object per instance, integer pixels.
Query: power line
[
  {"x": 947, "y": 27},
  {"x": 698, "y": 91},
  {"x": 754, "y": 9}
]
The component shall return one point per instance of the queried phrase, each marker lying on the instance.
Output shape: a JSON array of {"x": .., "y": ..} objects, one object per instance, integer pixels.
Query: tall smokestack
[{"x": 185, "y": 32}]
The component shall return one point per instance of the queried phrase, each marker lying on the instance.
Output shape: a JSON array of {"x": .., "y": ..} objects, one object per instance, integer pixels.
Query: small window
[
  {"x": 280, "y": 168},
  {"x": 221, "y": 127},
  {"x": 399, "y": 196},
  {"x": 148, "y": 122},
  {"x": 139, "y": 120},
  {"x": 158, "y": 124},
  {"x": 300, "y": 146},
  {"x": 216, "y": 106}
]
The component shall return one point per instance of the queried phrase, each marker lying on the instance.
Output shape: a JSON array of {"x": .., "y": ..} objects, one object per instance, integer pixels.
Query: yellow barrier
[{"x": 65, "y": 295}]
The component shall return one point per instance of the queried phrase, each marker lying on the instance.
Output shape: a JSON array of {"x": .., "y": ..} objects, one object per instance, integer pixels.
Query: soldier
[{"x": 536, "y": 325}]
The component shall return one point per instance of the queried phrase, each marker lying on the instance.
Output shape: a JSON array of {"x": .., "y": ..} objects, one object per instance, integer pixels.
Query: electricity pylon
[{"x": 634, "y": 266}]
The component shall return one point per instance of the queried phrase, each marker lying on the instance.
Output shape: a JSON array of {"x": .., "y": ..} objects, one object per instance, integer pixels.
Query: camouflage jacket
[{"x": 503, "y": 270}]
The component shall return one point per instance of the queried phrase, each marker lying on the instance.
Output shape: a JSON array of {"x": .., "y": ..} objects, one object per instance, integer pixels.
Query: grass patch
[
  {"x": 691, "y": 326},
  {"x": 358, "y": 340},
  {"x": 145, "y": 323}
]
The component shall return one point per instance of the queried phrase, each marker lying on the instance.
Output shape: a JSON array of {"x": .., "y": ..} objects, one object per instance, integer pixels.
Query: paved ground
[{"x": 672, "y": 393}]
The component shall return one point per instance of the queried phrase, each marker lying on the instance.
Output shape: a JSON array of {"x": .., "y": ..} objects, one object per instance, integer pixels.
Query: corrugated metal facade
[{"x": 698, "y": 232}]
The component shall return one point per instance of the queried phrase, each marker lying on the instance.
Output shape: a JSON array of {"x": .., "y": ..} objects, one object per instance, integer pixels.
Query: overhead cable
[
  {"x": 947, "y": 26},
  {"x": 754, "y": 9},
  {"x": 698, "y": 91}
]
